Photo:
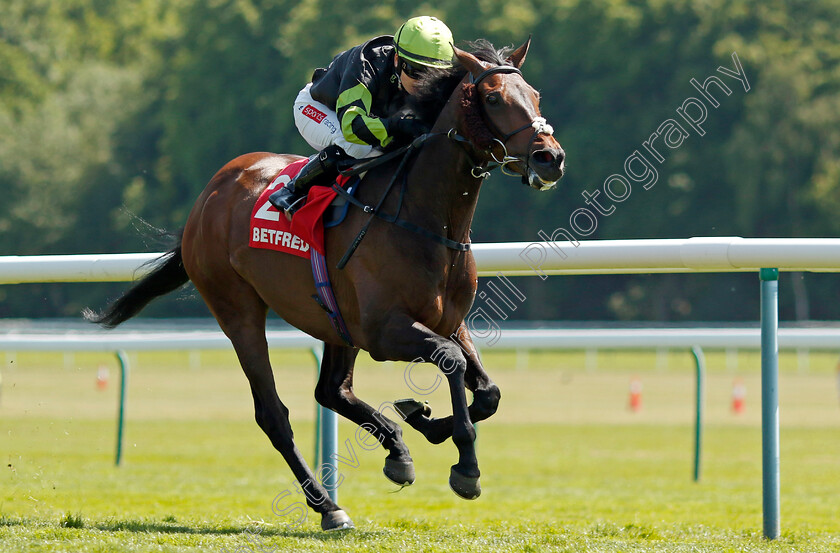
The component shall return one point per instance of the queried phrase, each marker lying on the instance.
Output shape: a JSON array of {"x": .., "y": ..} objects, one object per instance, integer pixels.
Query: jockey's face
[{"x": 409, "y": 84}]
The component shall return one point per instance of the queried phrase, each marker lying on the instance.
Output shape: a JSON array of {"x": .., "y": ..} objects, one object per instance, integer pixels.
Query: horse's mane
[{"x": 437, "y": 85}]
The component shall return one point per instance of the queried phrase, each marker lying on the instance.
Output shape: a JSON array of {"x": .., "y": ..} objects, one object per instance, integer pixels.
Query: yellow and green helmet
[{"x": 425, "y": 41}]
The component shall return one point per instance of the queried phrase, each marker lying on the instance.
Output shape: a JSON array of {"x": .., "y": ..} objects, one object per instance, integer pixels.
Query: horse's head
[{"x": 501, "y": 116}]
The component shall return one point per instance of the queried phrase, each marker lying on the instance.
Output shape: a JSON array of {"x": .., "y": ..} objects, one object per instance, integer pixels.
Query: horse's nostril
[
  {"x": 544, "y": 157},
  {"x": 549, "y": 157}
]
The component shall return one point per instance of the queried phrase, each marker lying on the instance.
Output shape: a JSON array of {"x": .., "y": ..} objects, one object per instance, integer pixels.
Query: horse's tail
[{"x": 168, "y": 275}]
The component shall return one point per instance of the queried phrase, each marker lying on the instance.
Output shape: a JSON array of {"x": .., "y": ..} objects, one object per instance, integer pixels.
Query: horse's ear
[
  {"x": 469, "y": 62},
  {"x": 517, "y": 58}
]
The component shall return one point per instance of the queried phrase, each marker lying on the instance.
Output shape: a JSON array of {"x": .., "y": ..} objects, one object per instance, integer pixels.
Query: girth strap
[{"x": 326, "y": 298}]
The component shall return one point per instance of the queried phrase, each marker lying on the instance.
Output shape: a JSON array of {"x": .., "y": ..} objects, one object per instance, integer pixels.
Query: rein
[
  {"x": 479, "y": 170},
  {"x": 406, "y": 152}
]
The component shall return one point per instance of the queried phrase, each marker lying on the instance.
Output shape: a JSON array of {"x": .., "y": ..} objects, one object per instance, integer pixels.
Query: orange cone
[
  {"x": 102, "y": 377},
  {"x": 635, "y": 403},
  {"x": 739, "y": 392}
]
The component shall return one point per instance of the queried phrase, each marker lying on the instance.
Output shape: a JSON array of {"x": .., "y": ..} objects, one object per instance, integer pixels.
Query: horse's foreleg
[
  {"x": 243, "y": 321},
  {"x": 486, "y": 396},
  {"x": 335, "y": 391},
  {"x": 400, "y": 338}
]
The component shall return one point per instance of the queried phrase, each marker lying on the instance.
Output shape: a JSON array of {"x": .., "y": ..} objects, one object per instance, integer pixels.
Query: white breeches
[{"x": 319, "y": 126}]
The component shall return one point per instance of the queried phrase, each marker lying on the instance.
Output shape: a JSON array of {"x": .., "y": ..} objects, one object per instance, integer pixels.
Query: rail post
[
  {"x": 122, "y": 357},
  {"x": 770, "y": 400},
  {"x": 327, "y": 430},
  {"x": 700, "y": 371}
]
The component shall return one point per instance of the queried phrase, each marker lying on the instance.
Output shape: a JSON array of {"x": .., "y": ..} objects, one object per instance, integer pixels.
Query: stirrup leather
[{"x": 290, "y": 207}]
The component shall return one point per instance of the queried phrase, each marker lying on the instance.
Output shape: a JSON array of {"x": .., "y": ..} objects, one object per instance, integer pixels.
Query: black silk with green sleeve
[{"x": 362, "y": 86}]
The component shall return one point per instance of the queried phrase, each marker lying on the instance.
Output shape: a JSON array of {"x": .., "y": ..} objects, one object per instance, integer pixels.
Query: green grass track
[{"x": 565, "y": 465}]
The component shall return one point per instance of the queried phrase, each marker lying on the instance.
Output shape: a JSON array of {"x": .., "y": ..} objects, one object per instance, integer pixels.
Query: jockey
[{"x": 351, "y": 109}]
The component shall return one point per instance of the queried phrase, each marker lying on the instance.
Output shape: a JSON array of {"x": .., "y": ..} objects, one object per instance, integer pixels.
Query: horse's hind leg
[
  {"x": 335, "y": 391},
  {"x": 242, "y": 314},
  {"x": 486, "y": 396}
]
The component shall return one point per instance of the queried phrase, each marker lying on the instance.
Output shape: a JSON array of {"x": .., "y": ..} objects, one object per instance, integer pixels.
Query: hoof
[
  {"x": 409, "y": 407},
  {"x": 400, "y": 473},
  {"x": 336, "y": 520},
  {"x": 466, "y": 487}
]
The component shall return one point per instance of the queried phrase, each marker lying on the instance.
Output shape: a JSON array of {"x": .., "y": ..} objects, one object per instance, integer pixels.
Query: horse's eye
[{"x": 493, "y": 99}]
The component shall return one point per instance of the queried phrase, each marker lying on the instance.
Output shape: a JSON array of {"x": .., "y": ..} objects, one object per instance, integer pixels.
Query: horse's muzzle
[{"x": 546, "y": 168}]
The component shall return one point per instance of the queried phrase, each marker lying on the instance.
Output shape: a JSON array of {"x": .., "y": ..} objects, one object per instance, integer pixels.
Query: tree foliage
[{"x": 118, "y": 111}]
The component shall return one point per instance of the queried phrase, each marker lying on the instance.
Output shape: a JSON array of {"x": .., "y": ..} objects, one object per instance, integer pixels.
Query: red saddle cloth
[{"x": 271, "y": 231}]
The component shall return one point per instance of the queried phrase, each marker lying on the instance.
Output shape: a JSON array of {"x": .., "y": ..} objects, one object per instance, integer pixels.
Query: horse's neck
[{"x": 444, "y": 191}]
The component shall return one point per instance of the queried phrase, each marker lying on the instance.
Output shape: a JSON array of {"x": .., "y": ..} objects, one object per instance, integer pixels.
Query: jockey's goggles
[{"x": 411, "y": 71}]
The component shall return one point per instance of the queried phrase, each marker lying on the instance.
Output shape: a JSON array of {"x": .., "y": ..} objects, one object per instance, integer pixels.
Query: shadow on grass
[{"x": 247, "y": 530}]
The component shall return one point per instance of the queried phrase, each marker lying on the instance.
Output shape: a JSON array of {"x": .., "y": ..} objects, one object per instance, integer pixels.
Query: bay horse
[{"x": 403, "y": 296}]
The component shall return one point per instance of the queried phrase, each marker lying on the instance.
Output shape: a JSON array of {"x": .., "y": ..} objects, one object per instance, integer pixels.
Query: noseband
[{"x": 539, "y": 125}]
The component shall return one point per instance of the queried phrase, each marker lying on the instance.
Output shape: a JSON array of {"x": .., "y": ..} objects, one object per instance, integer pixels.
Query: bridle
[
  {"x": 539, "y": 125},
  {"x": 480, "y": 170}
]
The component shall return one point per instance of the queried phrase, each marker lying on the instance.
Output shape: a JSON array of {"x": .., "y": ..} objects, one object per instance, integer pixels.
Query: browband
[{"x": 492, "y": 71}]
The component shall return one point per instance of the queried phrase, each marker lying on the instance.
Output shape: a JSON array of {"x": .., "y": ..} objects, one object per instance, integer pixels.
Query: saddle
[{"x": 324, "y": 208}]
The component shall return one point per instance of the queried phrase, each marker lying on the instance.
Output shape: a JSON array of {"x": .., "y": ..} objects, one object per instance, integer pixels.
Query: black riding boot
[{"x": 320, "y": 170}]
